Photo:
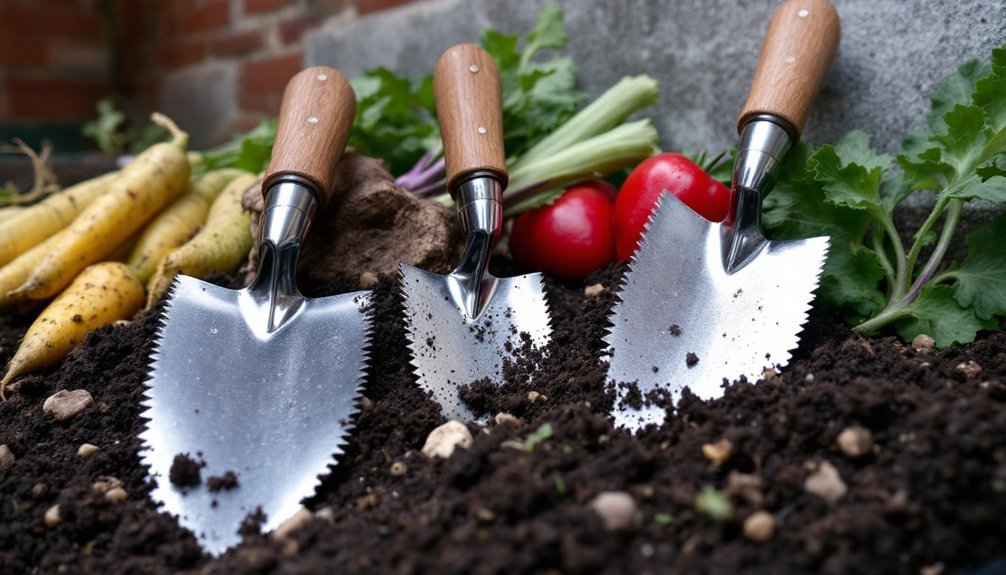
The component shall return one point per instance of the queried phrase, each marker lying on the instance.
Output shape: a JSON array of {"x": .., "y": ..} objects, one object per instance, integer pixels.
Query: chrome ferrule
[
  {"x": 763, "y": 145},
  {"x": 289, "y": 209},
  {"x": 480, "y": 205}
]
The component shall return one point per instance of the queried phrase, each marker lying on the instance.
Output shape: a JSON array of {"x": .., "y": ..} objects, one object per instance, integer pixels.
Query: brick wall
[{"x": 221, "y": 64}]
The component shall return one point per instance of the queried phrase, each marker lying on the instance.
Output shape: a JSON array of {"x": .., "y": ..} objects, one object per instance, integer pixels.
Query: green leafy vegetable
[
  {"x": 849, "y": 192},
  {"x": 250, "y": 151}
]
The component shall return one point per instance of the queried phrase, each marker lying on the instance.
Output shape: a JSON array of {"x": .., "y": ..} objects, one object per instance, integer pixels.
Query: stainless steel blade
[
  {"x": 677, "y": 299},
  {"x": 450, "y": 349},
  {"x": 227, "y": 390}
]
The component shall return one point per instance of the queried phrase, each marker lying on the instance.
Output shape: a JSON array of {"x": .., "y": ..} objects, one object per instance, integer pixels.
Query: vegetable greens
[{"x": 849, "y": 192}]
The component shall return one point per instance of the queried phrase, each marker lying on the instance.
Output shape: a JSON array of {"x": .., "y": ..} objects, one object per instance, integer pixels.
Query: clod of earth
[
  {"x": 444, "y": 439},
  {"x": 825, "y": 482},
  {"x": 374, "y": 226},
  {"x": 185, "y": 471},
  {"x": 65, "y": 405},
  {"x": 691, "y": 359},
  {"x": 229, "y": 480},
  {"x": 87, "y": 450},
  {"x": 618, "y": 510}
]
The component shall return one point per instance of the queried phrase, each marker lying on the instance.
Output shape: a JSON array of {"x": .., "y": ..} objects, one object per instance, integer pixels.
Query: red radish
[
  {"x": 569, "y": 238},
  {"x": 678, "y": 175}
]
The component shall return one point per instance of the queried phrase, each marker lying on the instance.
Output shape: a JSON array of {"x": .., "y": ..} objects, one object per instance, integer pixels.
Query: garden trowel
[
  {"x": 465, "y": 326},
  {"x": 261, "y": 383},
  {"x": 703, "y": 302}
]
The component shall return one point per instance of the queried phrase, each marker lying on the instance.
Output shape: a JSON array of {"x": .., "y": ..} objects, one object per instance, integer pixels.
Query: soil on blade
[{"x": 930, "y": 490}]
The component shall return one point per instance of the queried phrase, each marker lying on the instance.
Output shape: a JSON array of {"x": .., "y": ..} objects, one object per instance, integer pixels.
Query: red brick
[
  {"x": 236, "y": 43},
  {"x": 67, "y": 20},
  {"x": 368, "y": 6},
  {"x": 215, "y": 14},
  {"x": 267, "y": 76},
  {"x": 18, "y": 50},
  {"x": 179, "y": 55},
  {"x": 290, "y": 31},
  {"x": 257, "y": 6},
  {"x": 53, "y": 99}
]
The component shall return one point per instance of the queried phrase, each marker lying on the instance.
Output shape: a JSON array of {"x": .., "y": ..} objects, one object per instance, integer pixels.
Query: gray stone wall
[{"x": 703, "y": 53}]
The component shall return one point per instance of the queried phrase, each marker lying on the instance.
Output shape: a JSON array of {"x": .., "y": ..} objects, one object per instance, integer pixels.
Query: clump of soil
[
  {"x": 227, "y": 481},
  {"x": 185, "y": 471},
  {"x": 928, "y": 493}
]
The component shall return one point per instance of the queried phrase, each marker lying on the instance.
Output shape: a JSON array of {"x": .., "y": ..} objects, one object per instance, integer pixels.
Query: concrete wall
[{"x": 703, "y": 52}]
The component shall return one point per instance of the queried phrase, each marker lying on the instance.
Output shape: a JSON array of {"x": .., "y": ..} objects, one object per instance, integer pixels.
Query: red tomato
[
  {"x": 569, "y": 238},
  {"x": 679, "y": 176}
]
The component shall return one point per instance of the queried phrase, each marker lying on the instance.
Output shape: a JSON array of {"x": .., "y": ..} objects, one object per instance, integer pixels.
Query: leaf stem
[
  {"x": 953, "y": 217},
  {"x": 902, "y": 271},
  {"x": 920, "y": 235},
  {"x": 878, "y": 248},
  {"x": 883, "y": 318}
]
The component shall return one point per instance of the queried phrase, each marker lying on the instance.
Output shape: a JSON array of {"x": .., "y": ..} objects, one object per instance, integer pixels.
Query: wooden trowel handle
[
  {"x": 314, "y": 122},
  {"x": 466, "y": 86},
  {"x": 800, "y": 44}
]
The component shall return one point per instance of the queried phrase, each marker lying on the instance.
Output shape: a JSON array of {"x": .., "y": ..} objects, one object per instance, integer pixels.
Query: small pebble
[
  {"x": 934, "y": 569},
  {"x": 442, "y": 440},
  {"x": 51, "y": 517},
  {"x": 593, "y": 290},
  {"x": 116, "y": 495},
  {"x": 65, "y": 405},
  {"x": 719, "y": 452},
  {"x": 106, "y": 483},
  {"x": 770, "y": 375},
  {"x": 367, "y": 280},
  {"x": 293, "y": 523},
  {"x": 746, "y": 486},
  {"x": 398, "y": 469},
  {"x": 87, "y": 450},
  {"x": 855, "y": 441},
  {"x": 534, "y": 396},
  {"x": 484, "y": 515},
  {"x": 759, "y": 526},
  {"x": 502, "y": 418},
  {"x": 923, "y": 342},
  {"x": 39, "y": 490},
  {"x": 366, "y": 403},
  {"x": 618, "y": 510},
  {"x": 826, "y": 483},
  {"x": 6, "y": 457},
  {"x": 970, "y": 368}
]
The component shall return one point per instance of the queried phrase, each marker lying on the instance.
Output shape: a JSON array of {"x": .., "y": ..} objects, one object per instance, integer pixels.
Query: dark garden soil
[{"x": 929, "y": 495}]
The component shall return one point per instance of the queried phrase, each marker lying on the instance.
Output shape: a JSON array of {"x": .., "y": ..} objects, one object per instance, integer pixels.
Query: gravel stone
[
  {"x": 442, "y": 440},
  {"x": 65, "y": 405}
]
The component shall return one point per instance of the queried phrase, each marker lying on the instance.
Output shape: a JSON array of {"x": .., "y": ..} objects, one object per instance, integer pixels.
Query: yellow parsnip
[
  {"x": 144, "y": 187},
  {"x": 14, "y": 274},
  {"x": 31, "y": 225},
  {"x": 177, "y": 223},
  {"x": 101, "y": 294},
  {"x": 221, "y": 246}
]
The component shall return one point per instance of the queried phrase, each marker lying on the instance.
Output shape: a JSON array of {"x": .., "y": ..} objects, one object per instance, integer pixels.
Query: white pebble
[
  {"x": 502, "y": 418},
  {"x": 51, "y": 517},
  {"x": 970, "y": 368},
  {"x": 293, "y": 523},
  {"x": 923, "y": 342},
  {"x": 593, "y": 290},
  {"x": 855, "y": 441},
  {"x": 534, "y": 396},
  {"x": 759, "y": 526},
  {"x": 6, "y": 456},
  {"x": 617, "y": 509},
  {"x": 442, "y": 440},
  {"x": 826, "y": 483},
  {"x": 116, "y": 494},
  {"x": 106, "y": 483},
  {"x": 87, "y": 450},
  {"x": 65, "y": 405},
  {"x": 368, "y": 279},
  {"x": 398, "y": 469},
  {"x": 718, "y": 452}
]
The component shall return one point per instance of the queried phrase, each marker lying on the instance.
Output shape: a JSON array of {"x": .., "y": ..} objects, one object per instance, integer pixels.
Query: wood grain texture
[
  {"x": 800, "y": 44},
  {"x": 470, "y": 110},
  {"x": 314, "y": 122}
]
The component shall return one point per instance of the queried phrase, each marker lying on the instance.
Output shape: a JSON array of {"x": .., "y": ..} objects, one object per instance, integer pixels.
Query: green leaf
[
  {"x": 714, "y": 505},
  {"x": 955, "y": 90},
  {"x": 539, "y": 435},
  {"x": 936, "y": 313},
  {"x": 850, "y": 172},
  {"x": 981, "y": 280},
  {"x": 851, "y": 278},
  {"x": 973, "y": 188},
  {"x": 548, "y": 34}
]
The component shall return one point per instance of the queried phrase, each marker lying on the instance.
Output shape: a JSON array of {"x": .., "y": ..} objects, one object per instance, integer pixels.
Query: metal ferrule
[
  {"x": 273, "y": 298},
  {"x": 764, "y": 142},
  {"x": 480, "y": 205}
]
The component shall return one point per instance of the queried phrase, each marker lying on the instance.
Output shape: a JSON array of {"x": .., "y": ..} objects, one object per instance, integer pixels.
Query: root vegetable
[
  {"x": 29, "y": 226},
  {"x": 178, "y": 222},
  {"x": 101, "y": 294},
  {"x": 15, "y": 273},
  {"x": 220, "y": 246},
  {"x": 144, "y": 186}
]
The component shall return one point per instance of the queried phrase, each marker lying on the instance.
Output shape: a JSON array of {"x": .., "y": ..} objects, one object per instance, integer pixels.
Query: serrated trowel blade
[
  {"x": 450, "y": 350},
  {"x": 249, "y": 402},
  {"x": 682, "y": 320}
]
